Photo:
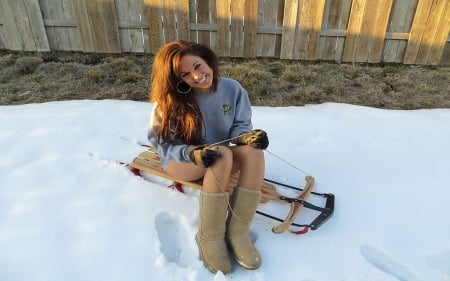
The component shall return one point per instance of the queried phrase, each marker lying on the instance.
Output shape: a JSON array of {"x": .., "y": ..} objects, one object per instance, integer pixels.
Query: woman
[{"x": 201, "y": 127}]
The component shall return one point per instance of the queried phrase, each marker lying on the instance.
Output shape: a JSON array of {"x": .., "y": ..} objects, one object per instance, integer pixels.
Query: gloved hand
[
  {"x": 255, "y": 138},
  {"x": 202, "y": 155}
]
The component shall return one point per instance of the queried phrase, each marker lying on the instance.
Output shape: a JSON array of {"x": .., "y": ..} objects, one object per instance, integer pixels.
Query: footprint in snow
[
  {"x": 174, "y": 242},
  {"x": 386, "y": 263},
  {"x": 441, "y": 263}
]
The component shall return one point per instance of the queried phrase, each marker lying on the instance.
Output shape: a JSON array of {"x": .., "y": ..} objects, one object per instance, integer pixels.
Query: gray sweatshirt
[{"x": 226, "y": 114}]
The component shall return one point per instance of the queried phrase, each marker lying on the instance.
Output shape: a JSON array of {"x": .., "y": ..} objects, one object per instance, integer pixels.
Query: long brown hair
[{"x": 181, "y": 116}]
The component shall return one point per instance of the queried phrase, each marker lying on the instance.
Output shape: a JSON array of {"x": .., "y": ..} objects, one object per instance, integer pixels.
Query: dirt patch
[{"x": 54, "y": 76}]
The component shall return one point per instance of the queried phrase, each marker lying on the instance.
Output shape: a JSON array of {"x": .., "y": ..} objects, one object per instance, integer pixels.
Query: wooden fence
[{"x": 401, "y": 31}]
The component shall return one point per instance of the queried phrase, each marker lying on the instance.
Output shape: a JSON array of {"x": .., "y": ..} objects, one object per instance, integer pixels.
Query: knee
[
  {"x": 253, "y": 154},
  {"x": 226, "y": 155}
]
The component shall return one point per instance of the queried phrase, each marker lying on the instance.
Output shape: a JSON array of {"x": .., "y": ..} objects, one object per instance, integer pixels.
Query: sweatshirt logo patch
[{"x": 226, "y": 109}]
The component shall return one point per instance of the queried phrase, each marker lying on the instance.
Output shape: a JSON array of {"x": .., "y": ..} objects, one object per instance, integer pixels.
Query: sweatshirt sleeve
[
  {"x": 167, "y": 152},
  {"x": 242, "y": 120}
]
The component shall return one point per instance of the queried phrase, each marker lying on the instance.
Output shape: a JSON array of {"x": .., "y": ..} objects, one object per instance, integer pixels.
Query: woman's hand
[
  {"x": 202, "y": 155},
  {"x": 255, "y": 138}
]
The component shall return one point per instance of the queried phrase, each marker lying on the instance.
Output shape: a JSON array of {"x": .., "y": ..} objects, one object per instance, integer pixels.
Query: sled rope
[
  {"x": 268, "y": 151},
  {"x": 288, "y": 163}
]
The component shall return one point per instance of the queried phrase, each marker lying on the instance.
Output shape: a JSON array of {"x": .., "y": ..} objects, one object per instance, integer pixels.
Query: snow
[{"x": 70, "y": 211}]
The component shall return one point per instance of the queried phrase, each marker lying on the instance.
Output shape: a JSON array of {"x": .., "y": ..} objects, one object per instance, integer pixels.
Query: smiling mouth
[{"x": 202, "y": 80}]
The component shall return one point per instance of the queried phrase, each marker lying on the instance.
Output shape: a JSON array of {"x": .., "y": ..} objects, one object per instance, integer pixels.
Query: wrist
[{"x": 187, "y": 152}]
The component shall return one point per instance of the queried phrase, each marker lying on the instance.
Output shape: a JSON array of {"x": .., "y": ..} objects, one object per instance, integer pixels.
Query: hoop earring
[{"x": 185, "y": 88}]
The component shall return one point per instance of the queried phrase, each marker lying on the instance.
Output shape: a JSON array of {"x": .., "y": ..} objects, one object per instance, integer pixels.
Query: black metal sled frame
[{"x": 325, "y": 212}]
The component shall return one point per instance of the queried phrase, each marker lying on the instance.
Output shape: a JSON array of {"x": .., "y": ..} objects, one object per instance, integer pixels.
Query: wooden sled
[{"x": 149, "y": 161}]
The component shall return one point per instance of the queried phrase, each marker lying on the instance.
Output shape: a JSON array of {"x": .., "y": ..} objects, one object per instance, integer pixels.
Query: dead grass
[{"x": 42, "y": 77}]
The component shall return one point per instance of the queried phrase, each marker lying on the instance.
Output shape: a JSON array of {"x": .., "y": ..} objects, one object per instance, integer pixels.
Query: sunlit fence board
[{"x": 334, "y": 28}]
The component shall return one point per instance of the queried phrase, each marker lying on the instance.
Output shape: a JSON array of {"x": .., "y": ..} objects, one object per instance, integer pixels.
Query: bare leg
[
  {"x": 215, "y": 178},
  {"x": 251, "y": 164},
  {"x": 218, "y": 175},
  {"x": 185, "y": 171}
]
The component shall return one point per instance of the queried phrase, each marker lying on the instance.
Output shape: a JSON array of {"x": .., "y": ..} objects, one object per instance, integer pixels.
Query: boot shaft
[
  {"x": 213, "y": 208},
  {"x": 211, "y": 233},
  {"x": 244, "y": 203},
  {"x": 243, "y": 208}
]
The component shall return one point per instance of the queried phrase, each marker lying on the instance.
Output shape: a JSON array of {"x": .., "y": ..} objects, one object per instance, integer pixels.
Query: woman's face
[{"x": 196, "y": 73}]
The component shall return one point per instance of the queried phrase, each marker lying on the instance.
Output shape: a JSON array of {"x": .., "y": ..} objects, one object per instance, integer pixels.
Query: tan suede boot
[
  {"x": 243, "y": 204},
  {"x": 211, "y": 234}
]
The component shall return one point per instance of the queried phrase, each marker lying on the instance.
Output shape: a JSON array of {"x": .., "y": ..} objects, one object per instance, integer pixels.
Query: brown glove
[
  {"x": 202, "y": 155},
  {"x": 255, "y": 138}
]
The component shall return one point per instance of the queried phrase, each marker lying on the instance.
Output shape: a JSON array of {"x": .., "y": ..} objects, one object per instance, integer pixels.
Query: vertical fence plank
[
  {"x": 154, "y": 8},
  {"x": 335, "y": 18},
  {"x": 203, "y": 18},
  {"x": 126, "y": 14},
  {"x": 213, "y": 23},
  {"x": 431, "y": 28},
  {"x": 175, "y": 20},
  {"x": 144, "y": 25},
  {"x": 68, "y": 11},
  {"x": 365, "y": 31},
  {"x": 84, "y": 29},
  {"x": 169, "y": 22},
  {"x": 96, "y": 26},
  {"x": 310, "y": 24},
  {"x": 25, "y": 25},
  {"x": 237, "y": 28},
  {"x": 2, "y": 44},
  {"x": 301, "y": 30},
  {"x": 417, "y": 31},
  {"x": 250, "y": 16},
  {"x": 270, "y": 16},
  {"x": 353, "y": 30},
  {"x": 223, "y": 43},
  {"x": 379, "y": 31},
  {"x": 52, "y": 12},
  {"x": 445, "y": 57},
  {"x": 143, "y": 36},
  {"x": 124, "y": 10},
  {"x": 193, "y": 19},
  {"x": 183, "y": 20},
  {"x": 58, "y": 37},
  {"x": 437, "y": 47},
  {"x": 110, "y": 25},
  {"x": 289, "y": 26},
  {"x": 10, "y": 30},
  {"x": 330, "y": 19},
  {"x": 2, "y": 40},
  {"x": 37, "y": 25},
  {"x": 400, "y": 22},
  {"x": 203, "y": 14}
]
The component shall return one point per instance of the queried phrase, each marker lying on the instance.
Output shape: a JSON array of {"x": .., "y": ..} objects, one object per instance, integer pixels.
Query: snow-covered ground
[{"x": 69, "y": 211}]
